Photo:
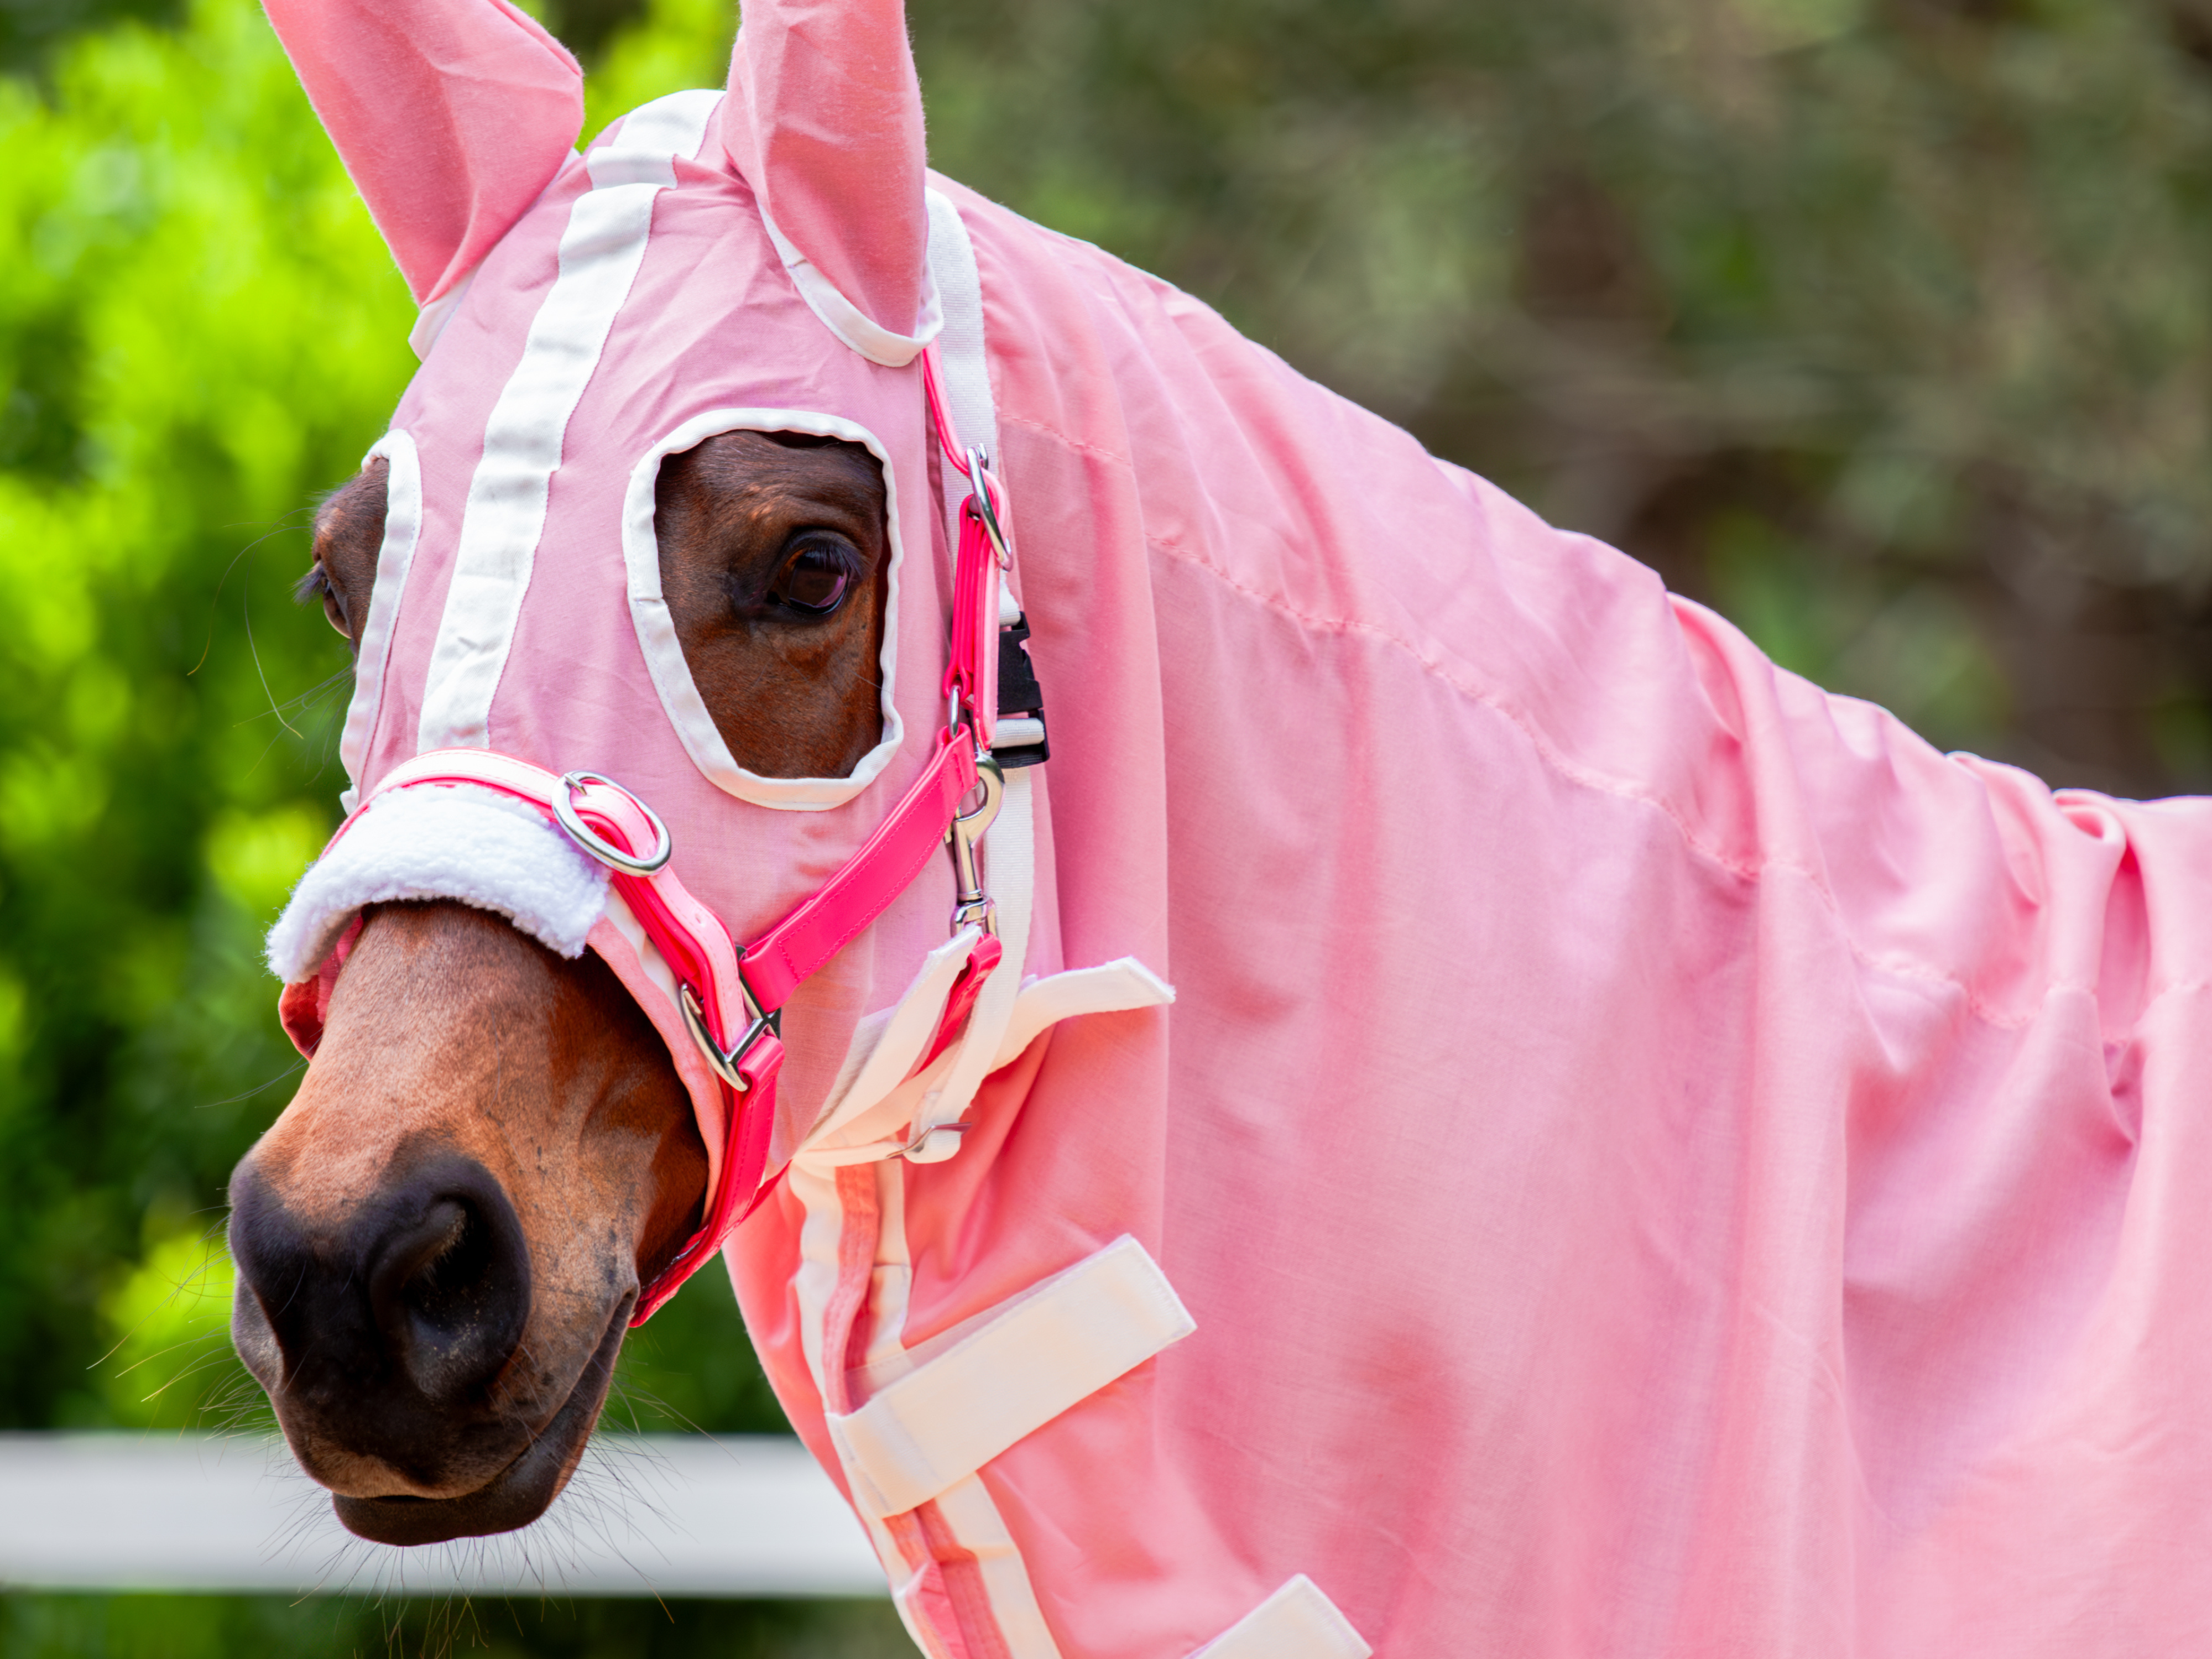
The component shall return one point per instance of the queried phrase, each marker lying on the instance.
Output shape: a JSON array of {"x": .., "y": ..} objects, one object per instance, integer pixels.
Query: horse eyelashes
[{"x": 817, "y": 578}]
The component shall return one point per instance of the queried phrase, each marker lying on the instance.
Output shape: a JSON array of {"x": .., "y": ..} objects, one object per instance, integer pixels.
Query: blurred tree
[{"x": 30, "y": 29}]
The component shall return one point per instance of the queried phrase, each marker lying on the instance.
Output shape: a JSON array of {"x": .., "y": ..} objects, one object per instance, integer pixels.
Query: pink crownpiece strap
[
  {"x": 971, "y": 674},
  {"x": 868, "y": 882}
]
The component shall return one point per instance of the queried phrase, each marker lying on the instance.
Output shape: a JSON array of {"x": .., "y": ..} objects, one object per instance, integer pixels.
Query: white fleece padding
[{"x": 445, "y": 843}]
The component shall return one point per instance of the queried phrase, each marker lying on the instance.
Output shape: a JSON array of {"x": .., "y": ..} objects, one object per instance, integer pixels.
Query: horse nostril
[{"x": 449, "y": 1286}]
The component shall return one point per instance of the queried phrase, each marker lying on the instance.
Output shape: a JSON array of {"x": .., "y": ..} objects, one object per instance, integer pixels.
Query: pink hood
[{"x": 1645, "y": 1157}]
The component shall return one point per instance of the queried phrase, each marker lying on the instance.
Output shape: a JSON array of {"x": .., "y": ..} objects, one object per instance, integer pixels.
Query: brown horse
[
  {"x": 1646, "y": 1156},
  {"x": 440, "y": 1242}
]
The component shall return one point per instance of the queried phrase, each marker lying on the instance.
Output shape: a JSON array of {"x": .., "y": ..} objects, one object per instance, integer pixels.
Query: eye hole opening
[{"x": 822, "y": 570}]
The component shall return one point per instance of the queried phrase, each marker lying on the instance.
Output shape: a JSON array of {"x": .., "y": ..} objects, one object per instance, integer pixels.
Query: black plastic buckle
[{"x": 1020, "y": 697}]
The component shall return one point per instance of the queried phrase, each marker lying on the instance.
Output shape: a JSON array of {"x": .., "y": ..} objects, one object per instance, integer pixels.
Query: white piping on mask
[
  {"x": 853, "y": 326},
  {"x": 600, "y": 252},
  {"x": 402, "y": 523},
  {"x": 430, "y": 321}
]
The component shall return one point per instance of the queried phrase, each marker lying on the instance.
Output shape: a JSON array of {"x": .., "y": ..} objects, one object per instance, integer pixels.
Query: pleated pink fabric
[{"x": 1660, "y": 1160}]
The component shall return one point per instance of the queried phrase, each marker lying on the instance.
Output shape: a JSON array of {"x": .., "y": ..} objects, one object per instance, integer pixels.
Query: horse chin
[{"x": 519, "y": 1493}]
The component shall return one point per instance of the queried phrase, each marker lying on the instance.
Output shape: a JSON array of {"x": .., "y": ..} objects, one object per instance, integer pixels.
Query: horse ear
[
  {"x": 823, "y": 121},
  {"x": 451, "y": 116}
]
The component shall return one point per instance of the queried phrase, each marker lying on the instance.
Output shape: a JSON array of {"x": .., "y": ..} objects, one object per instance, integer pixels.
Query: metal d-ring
[
  {"x": 972, "y": 903},
  {"x": 725, "y": 1066},
  {"x": 564, "y": 809},
  {"x": 978, "y": 467}
]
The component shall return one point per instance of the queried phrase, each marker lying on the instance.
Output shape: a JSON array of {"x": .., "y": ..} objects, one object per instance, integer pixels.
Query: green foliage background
[{"x": 1882, "y": 324}]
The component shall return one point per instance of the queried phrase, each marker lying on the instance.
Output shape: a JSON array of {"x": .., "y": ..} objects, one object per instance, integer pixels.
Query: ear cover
[
  {"x": 451, "y": 115},
  {"x": 823, "y": 121}
]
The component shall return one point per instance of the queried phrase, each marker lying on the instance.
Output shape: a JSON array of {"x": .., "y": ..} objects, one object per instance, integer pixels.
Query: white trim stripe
[
  {"x": 964, "y": 357},
  {"x": 601, "y": 249},
  {"x": 1013, "y": 835},
  {"x": 1297, "y": 1622},
  {"x": 395, "y": 556},
  {"x": 1052, "y": 1347}
]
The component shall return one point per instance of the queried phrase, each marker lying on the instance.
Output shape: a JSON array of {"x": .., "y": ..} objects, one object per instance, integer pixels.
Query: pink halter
[{"x": 732, "y": 999}]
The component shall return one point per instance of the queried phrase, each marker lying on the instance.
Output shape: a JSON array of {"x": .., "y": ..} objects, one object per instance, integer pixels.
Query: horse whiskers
[
  {"x": 291, "y": 1071},
  {"x": 209, "y": 1362},
  {"x": 188, "y": 1343},
  {"x": 215, "y": 599},
  {"x": 630, "y": 1392}
]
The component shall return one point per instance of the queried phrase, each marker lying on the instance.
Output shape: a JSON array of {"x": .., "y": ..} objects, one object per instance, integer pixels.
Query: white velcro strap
[
  {"x": 1112, "y": 988},
  {"x": 1297, "y": 1622},
  {"x": 884, "y": 1049},
  {"x": 1054, "y": 1344}
]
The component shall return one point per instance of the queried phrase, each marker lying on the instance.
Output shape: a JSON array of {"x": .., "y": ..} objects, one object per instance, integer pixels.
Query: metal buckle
[
  {"x": 978, "y": 468},
  {"x": 564, "y": 809},
  {"x": 972, "y": 903},
  {"x": 725, "y": 1066},
  {"x": 925, "y": 1142}
]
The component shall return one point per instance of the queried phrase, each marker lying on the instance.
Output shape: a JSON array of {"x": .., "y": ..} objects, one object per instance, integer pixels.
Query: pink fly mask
[{"x": 705, "y": 267}]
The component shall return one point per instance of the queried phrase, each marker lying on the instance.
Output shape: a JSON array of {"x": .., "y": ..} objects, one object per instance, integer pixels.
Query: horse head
[{"x": 657, "y": 505}]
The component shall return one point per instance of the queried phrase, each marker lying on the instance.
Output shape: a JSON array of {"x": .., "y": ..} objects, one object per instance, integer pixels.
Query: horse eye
[{"x": 815, "y": 579}]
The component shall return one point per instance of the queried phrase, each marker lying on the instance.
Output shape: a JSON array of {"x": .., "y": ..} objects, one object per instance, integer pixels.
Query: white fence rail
[{"x": 666, "y": 1515}]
